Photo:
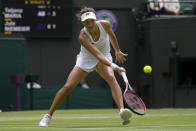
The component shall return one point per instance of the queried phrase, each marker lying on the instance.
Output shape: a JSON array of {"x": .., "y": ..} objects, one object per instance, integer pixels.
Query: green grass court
[{"x": 101, "y": 120}]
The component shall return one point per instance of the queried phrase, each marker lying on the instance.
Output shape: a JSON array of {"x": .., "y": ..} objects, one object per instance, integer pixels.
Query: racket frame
[{"x": 131, "y": 90}]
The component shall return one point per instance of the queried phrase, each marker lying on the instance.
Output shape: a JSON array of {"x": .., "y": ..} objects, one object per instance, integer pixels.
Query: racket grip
[{"x": 124, "y": 77}]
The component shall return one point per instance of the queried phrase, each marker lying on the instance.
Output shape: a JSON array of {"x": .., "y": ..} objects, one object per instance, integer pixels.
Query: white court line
[
  {"x": 182, "y": 125},
  {"x": 142, "y": 128},
  {"x": 91, "y": 117},
  {"x": 178, "y": 125}
]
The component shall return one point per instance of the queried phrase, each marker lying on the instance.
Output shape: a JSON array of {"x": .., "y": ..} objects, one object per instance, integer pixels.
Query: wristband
[{"x": 113, "y": 66}]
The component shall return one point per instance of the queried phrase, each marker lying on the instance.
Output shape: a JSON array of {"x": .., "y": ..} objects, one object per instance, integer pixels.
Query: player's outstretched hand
[{"x": 120, "y": 57}]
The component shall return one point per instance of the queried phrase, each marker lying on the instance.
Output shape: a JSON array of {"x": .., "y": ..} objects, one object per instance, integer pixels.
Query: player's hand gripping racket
[{"x": 133, "y": 101}]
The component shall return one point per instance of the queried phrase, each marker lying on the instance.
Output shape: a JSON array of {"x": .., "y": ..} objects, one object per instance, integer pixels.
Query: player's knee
[{"x": 68, "y": 87}]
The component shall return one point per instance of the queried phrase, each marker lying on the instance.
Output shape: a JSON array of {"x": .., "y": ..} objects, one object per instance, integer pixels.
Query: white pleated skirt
[{"x": 87, "y": 63}]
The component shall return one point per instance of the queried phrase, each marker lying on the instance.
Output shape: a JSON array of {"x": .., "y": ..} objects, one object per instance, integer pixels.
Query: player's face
[{"x": 89, "y": 23}]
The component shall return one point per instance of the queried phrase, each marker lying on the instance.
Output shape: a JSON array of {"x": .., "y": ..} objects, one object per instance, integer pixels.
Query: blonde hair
[{"x": 84, "y": 10}]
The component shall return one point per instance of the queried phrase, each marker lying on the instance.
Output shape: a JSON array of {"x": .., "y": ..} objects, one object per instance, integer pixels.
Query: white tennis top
[{"x": 87, "y": 61}]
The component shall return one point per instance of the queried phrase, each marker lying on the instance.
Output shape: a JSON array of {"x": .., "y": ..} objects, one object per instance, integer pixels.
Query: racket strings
[{"x": 134, "y": 103}]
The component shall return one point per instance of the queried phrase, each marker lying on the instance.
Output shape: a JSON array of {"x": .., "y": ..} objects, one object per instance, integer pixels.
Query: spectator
[
  {"x": 155, "y": 7},
  {"x": 171, "y": 7}
]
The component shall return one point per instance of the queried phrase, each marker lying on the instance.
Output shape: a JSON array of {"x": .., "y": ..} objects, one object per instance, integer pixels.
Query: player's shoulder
[
  {"x": 82, "y": 35},
  {"x": 105, "y": 24}
]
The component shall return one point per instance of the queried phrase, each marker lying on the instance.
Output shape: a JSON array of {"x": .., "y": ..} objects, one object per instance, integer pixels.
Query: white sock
[{"x": 121, "y": 109}]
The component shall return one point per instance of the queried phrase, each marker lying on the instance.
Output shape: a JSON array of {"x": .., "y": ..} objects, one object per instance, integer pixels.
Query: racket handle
[{"x": 124, "y": 77}]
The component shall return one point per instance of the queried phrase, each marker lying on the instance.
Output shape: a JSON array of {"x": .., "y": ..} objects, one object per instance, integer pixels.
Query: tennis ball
[{"x": 147, "y": 69}]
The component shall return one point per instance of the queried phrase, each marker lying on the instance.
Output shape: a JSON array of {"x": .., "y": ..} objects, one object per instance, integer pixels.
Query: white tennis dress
[{"x": 87, "y": 61}]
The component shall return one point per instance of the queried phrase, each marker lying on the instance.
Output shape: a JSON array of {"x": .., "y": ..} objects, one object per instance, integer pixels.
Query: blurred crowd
[{"x": 159, "y": 7}]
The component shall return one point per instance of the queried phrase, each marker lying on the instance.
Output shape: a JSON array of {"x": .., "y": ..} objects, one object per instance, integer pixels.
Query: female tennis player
[{"x": 95, "y": 40}]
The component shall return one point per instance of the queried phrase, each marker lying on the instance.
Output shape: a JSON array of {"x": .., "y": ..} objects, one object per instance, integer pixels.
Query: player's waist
[{"x": 88, "y": 55}]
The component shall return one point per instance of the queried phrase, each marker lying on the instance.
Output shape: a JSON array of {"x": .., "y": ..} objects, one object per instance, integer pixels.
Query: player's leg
[
  {"x": 73, "y": 79},
  {"x": 107, "y": 74}
]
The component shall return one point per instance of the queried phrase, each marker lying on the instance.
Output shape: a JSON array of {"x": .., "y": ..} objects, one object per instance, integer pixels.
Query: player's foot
[
  {"x": 45, "y": 120},
  {"x": 125, "y": 115}
]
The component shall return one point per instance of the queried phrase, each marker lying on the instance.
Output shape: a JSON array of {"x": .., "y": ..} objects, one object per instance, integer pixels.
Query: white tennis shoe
[
  {"x": 45, "y": 120},
  {"x": 125, "y": 115}
]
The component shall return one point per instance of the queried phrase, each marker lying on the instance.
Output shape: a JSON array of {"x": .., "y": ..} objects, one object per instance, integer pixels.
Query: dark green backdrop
[{"x": 13, "y": 61}]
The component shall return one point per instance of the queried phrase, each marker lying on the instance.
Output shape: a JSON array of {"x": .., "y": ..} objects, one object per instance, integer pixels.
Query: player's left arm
[{"x": 120, "y": 56}]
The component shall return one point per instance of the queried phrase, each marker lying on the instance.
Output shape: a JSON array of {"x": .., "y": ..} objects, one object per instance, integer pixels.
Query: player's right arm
[{"x": 85, "y": 42}]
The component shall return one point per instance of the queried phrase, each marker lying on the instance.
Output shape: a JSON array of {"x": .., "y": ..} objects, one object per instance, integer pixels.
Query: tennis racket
[{"x": 133, "y": 101}]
